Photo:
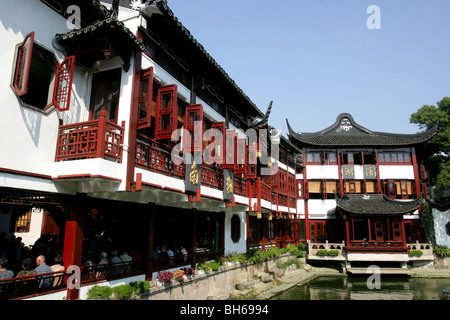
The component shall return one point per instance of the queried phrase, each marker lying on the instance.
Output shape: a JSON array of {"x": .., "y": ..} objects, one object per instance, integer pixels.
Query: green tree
[{"x": 437, "y": 152}]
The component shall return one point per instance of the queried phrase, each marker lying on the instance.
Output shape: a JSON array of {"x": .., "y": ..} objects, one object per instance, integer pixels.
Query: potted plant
[
  {"x": 165, "y": 277},
  {"x": 179, "y": 275}
]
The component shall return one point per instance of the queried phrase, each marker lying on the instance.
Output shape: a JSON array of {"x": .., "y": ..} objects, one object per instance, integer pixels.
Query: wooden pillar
[
  {"x": 307, "y": 227},
  {"x": 132, "y": 132},
  {"x": 73, "y": 239},
  {"x": 101, "y": 133},
  {"x": 402, "y": 230},
  {"x": 416, "y": 172},
  {"x": 150, "y": 242},
  {"x": 347, "y": 231}
]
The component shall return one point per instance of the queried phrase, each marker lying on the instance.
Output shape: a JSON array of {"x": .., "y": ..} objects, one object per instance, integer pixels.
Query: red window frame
[
  {"x": 168, "y": 110},
  {"x": 252, "y": 160},
  {"x": 106, "y": 78},
  {"x": 23, "y": 64},
  {"x": 63, "y": 84},
  {"x": 145, "y": 99},
  {"x": 241, "y": 155},
  {"x": 193, "y": 123},
  {"x": 62, "y": 87},
  {"x": 230, "y": 145},
  {"x": 219, "y": 142}
]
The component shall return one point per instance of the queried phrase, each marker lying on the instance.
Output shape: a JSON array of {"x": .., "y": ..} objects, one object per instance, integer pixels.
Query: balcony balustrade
[
  {"x": 99, "y": 138},
  {"x": 155, "y": 157},
  {"x": 375, "y": 246}
]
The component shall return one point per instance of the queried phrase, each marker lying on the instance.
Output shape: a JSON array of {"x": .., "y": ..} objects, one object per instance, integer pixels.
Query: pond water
[{"x": 355, "y": 288}]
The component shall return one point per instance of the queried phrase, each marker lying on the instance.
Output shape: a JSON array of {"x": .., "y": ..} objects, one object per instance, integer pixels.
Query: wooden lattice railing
[{"x": 91, "y": 139}]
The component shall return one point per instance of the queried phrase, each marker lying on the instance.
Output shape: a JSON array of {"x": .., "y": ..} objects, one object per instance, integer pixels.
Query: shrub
[
  {"x": 441, "y": 251},
  {"x": 122, "y": 292},
  {"x": 301, "y": 246},
  {"x": 274, "y": 252},
  {"x": 204, "y": 265},
  {"x": 140, "y": 286},
  {"x": 214, "y": 265},
  {"x": 333, "y": 253},
  {"x": 284, "y": 265},
  {"x": 296, "y": 250},
  {"x": 322, "y": 252},
  {"x": 99, "y": 292},
  {"x": 236, "y": 257},
  {"x": 415, "y": 253},
  {"x": 258, "y": 256}
]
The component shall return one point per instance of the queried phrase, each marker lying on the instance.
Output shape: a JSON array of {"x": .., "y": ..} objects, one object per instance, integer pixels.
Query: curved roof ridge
[{"x": 347, "y": 132}]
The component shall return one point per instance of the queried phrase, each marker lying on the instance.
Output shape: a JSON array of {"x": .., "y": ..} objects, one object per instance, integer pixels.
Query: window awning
[{"x": 101, "y": 40}]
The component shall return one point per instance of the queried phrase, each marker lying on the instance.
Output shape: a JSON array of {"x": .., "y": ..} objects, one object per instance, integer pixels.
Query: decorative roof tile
[
  {"x": 346, "y": 132},
  {"x": 378, "y": 204},
  {"x": 111, "y": 23}
]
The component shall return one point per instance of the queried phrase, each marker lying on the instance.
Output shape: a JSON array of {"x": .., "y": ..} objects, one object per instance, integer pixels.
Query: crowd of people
[
  {"x": 45, "y": 255},
  {"x": 166, "y": 256},
  {"x": 18, "y": 260}
]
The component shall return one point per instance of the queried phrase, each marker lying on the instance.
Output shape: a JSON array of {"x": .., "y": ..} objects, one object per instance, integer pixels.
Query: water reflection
[{"x": 355, "y": 288}]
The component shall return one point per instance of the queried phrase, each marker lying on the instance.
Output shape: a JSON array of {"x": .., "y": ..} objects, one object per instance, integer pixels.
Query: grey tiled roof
[
  {"x": 112, "y": 23},
  {"x": 346, "y": 132},
  {"x": 378, "y": 204}
]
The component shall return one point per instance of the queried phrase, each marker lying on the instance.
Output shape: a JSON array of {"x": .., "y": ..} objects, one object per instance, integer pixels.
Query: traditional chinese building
[
  {"x": 92, "y": 152},
  {"x": 360, "y": 187}
]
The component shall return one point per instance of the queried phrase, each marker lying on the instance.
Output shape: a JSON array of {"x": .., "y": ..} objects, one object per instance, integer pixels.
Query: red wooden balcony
[
  {"x": 91, "y": 139},
  {"x": 156, "y": 157}
]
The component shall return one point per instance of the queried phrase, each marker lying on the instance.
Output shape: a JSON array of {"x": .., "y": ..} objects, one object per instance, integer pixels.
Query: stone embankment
[{"x": 298, "y": 276}]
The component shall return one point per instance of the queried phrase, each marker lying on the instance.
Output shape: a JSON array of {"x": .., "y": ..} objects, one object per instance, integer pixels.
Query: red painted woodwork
[
  {"x": 252, "y": 161},
  {"x": 230, "y": 158},
  {"x": 63, "y": 84},
  {"x": 193, "y": 123},
  {"x": 23, "y": 63},
  {"x": 73, "y": 241},
  {"x": 166, "y": 112},
  {"x": 240, "y": 186},
  {"x": 145, "y": 99},
  {"x": 241, "y": 156},
  {"x": 211, "y": 176},
  {"x": 137, "y": 92},
  {"x": 155, "y": 157},
  {"x": 218, "y": 142},
  {"x": 91, "y": 139}
]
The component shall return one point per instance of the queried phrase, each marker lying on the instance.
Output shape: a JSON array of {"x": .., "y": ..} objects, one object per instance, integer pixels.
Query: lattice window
[
  {"x": 193, "y": 123},
  {"x": 23, "y": 222},
  {"x": 23, "y": 64},
  {"x": 241, "y": 156},
  {"x": 166, "y": 112},
  {"x": 63, "y": 84},
  {"x": 145, "y": 99},
  {"x": 230, "y": 138},
  {"x": 218, "y": 143},
  {"x": 252, "y": 160}
]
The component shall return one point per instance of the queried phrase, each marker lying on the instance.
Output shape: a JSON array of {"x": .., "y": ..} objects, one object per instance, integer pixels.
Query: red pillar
[
  {"x": 73, "y": 240},
  {"x": 416, "y": 172}
]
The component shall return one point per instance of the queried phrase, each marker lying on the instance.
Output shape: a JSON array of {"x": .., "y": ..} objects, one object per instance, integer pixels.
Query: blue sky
[{"x": 316, "y": 59}]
